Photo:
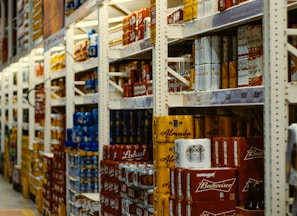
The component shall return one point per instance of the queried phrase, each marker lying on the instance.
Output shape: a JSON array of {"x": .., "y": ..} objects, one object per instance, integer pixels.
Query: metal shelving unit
[{"x": 275, "y": 96}]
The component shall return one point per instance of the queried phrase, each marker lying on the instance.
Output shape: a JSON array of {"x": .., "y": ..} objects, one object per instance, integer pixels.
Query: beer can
[
  {"x": 127, "y": 90},
  {"x": 141, "y": 195},
  {"x": 149, "y": 197},
  {"x": 140, "y": 126},
  {"x": 225, "y": 126},
  {"x": 145, "y": 177},
  {"x": 139, "y": 209},
  {"x": 118, "y": 129},
  {"x": 132, "y": 193},
  {"x": 211, "y": 124},
  {"x": 125, "y": 126},
  {"x": 164, "y": 155},
  {"x": 141, "y": 170},
  {"x": 130, "y": 170},
  {"x": 161, "y": 204},
  {"x": 132, "y": 126},
  {"x": 199, "y": 126},
  {"x": 172, "y": 206},
  {"x": 162, "y": 180},
  {"x": 168, "y": 128}
]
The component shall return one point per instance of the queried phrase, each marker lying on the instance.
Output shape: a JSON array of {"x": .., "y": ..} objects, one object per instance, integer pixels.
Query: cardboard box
[
  {"x": 244, "y": 176},
  {"x": 241, "y": 211},
  {"x": 211, "y": 208},
  {"x": 214, "y": 184},
  {"x": 166, "y": 129}
]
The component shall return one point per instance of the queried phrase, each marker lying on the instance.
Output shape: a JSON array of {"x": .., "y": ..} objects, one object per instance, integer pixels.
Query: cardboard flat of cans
[
  {"x": 212, "y": 184},
  {"x": 164, "y": 155},
  {"x": 240, "y": 152},
  {"x": 168, "y": 128}
]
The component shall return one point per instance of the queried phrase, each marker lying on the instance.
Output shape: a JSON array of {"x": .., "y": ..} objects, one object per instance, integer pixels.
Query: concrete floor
[{"x": 11, "y": 199}]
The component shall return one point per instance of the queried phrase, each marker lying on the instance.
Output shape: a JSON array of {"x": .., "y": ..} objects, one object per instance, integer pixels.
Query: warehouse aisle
[{"x": 12, "y": 200}]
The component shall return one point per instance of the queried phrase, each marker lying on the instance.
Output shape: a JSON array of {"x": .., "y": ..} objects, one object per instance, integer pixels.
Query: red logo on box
[{"x": 223, "y": 186}]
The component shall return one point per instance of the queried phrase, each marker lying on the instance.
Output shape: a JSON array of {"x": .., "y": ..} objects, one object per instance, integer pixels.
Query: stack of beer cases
[
  {"x": 135, "y": 26},
  {"x": 36, "y": 172},
  {"x": 166, "y": 129},
  {"x": 126, "y": 181},
  {"x": 59, "y": 179},
  {"x": 236, "y": 159},
  {"x": 37, "y": 19},
  {"x": 22, "y": 23},
  {"x": 47, "y": 187},
  {"x": 246, "y": 155},
  {"x": 198, "y": 188}
]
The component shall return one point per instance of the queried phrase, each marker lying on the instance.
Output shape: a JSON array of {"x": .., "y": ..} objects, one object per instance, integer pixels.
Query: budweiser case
[
  {"x": 214, "y": 184},
  {"x": 244, "y": 176},
  {"x": 239, "y": 152},
  {"x": 180, "y": 207},
  {"x": 226, "y": 208},
  {"x": 248, "y": 153}
]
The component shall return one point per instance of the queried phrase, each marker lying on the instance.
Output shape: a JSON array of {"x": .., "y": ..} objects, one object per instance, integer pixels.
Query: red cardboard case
[{"x": 213, "y": 184}]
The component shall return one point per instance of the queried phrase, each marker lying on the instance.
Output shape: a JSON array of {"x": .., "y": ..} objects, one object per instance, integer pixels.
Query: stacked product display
[
  {"x": 54, "y": 182},
  {"x": 136, "y": 26},
  {"x": 25, "y": 166},
  {"x": 138, "y": 78},
  {"x": 12, "y": 150},
  {"x": 82, "y": 151},
  {"x": 47, "y": 184},
  {"x": 209, "y": 174},
  {"x": 59, "y": 181},
  {"x": 36, "y": 174},
  {"x": 165, "y": 130},
  {"x": 37, "y": 20},
  {"x": 23, "y": 23}
]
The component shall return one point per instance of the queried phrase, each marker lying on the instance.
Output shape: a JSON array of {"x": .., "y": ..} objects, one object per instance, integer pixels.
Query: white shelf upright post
[
  {"x": 20, "y": 102},
  {"x": 275, "y": 106},
  {"x": 10, "y": 29},
  {"x": 31, "y": 99},
  {"x": 160, "y": 55},
  {"x": 69, "y": 95},
  {"x": 47, "y": 117},
  {"x": 103, "y": 78},
  {"x": 3, "y": 107}
]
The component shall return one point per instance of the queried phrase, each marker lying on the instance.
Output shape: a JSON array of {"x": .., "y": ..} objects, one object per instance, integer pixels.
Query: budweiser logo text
[
  {"x": 228, "y": 213},
  {"x": 223, "y": 186},
  {"x": 254, "y": 153}
]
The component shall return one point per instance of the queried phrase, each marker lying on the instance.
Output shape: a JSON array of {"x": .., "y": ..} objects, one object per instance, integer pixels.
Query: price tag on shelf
[
  {"x": 239, "y": 95},
  {"x": 197, "y": 99},
  {"x": 145, "y": 44},
  {"x": 223, "y": 97},
  {"x": 256, "y": 95}
]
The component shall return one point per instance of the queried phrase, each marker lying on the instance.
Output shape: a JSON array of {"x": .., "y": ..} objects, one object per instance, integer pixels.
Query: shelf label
[{"x": 256, "y": 96}]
